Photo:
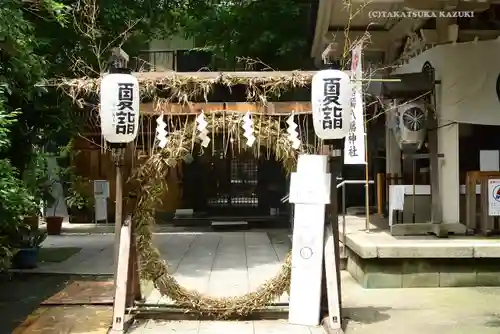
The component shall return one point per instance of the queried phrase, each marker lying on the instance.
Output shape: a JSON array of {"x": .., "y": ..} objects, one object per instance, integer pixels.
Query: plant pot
[
  {"x": 32, "y": 222},
  {"x": 80, "y": 216},
  {"x": 54, "y": 225},
  {"x": 26, "y": 258}
]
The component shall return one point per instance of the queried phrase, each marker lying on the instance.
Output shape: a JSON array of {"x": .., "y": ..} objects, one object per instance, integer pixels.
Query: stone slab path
[
  {"x": 221, "y": 327},
  {"x": 374, "y": 311},
  {"x": 213, "y": 263}
]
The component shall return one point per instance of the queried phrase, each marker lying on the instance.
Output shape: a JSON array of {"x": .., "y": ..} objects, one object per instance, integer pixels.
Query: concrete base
[
  {"x": 441, "y": 230},
  {"x": 419, "y": 273},
  {"x": 377, "y": 259}
]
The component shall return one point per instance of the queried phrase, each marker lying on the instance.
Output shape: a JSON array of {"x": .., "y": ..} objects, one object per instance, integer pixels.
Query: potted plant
[
  {"x": 28, "y": 247},
  {"x": 76, "y": 188},
  {"x": 36, "y": 179},
  {"x": 54, "y": 195},
  {"x": 78, "y": 201},
  {"x": 16, "y": 202}
]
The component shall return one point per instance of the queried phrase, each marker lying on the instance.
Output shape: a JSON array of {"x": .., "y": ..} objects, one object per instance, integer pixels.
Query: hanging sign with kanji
[
  {"x": 354, "y": 149},
  {"x": 119, "y": 107},
  {"x": 331, "y": 92}
]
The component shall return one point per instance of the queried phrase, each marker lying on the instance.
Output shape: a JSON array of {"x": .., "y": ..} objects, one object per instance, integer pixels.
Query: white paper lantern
[
  {"x": 331, "y": 93},
  {"x": 119, "y": 108}
]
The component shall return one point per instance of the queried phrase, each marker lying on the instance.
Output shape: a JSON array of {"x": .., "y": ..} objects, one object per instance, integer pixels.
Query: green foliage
[
  {"x": 30, "y": 239},
  {"x": 23, "y": 125},
  {"x": 273, "y": 32},
  {"x": 15, "y": 199},
  {"x": 45, "y": 39}
]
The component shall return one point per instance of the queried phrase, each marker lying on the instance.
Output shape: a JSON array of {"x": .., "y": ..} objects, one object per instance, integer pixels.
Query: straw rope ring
[{"x": 152, "y": 177}]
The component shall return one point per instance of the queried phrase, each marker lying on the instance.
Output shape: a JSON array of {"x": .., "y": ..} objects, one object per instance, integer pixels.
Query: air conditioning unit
[{"x": 409, "y": 125}]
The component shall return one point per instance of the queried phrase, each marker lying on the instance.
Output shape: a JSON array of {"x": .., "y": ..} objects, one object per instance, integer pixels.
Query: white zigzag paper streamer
[
  {"x": 248, "y": 127},
  {"x": 202, "y": 128},
  {"x": 293, "y": 135},
  {"x": 161, "y": 132}
]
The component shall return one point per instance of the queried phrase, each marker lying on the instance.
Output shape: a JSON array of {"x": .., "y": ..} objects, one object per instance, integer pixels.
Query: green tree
[{"x": 274, "y": 32}]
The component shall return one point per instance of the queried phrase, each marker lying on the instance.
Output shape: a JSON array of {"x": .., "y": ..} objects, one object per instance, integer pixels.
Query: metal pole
[
  {"x": 367, "y": 178},
  {"x": 344, "y": 238},
  {"x": 414, "y": 181}
]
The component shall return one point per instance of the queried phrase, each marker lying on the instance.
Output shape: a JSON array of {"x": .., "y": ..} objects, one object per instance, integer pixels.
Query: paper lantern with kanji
[
  {"x": 119, "y": 107},
  {"x": 331, "y": 94}
]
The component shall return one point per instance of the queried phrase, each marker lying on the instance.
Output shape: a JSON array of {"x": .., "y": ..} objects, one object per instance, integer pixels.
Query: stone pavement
[
  {"x": 374, "y": 311},
  {"x": 222, "y": 327},
  {"x": 213, "y": 263},
  {"x": 243, "y": 260}
]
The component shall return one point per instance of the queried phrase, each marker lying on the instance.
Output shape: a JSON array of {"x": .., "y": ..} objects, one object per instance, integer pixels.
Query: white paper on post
[
  {"x": 489, "y": 160},
  {"x": 305, "y": 189}
]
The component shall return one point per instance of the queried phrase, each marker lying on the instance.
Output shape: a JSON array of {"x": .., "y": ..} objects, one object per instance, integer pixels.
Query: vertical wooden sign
[{"x": 310, "y": 192}]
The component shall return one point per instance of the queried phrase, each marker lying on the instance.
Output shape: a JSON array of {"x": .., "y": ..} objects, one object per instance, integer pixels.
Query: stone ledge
[
  {"x": 414, "y": 272},
  {"x": 381, "y": 244}
]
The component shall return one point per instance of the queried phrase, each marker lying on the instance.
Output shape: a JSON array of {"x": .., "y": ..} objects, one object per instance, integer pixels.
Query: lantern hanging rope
[{"x": 151, "y": 177}]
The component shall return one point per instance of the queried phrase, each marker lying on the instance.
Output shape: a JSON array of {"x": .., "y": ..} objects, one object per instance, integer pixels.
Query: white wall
[
  {"x": 468, "y": 74},
  {"x": 165, "y": 61}
]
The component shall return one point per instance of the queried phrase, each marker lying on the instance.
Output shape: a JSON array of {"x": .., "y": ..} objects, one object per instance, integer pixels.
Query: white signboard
[
  {"x": 101, "y": 209},
  {"x": 307, "y": 243},
  {"x": 494, "y": 197},
  {"x": 119, "y": 108},
  {"x": 354, "y": 150},
  {"x": 331, "y": 92},
  {"x": 101, "y": 188},
  {"x": 101, "y": 195},
  {"x": 305, "y": 189},
  {"x": 489, "y": 160}
]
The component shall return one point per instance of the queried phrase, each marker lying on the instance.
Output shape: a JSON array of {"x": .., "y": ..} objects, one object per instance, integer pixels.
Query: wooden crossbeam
[{"x": 271, "y": 108}]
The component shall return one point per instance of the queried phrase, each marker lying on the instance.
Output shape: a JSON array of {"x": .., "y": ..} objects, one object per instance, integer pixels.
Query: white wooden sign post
[{"x": 310, "y": 192}]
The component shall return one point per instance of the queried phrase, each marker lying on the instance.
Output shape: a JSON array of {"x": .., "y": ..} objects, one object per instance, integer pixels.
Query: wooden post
[
  {"x": 134, "y": 283},
  {"x": 127, "y": 284},
  {"x": 333, "y": 322},
  {"x": 470, "y": 204},
  {"x": 380, "y": 193}
]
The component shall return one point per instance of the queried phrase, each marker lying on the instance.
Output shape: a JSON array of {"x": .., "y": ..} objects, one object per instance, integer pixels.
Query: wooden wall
[{"x": 91, "y": 162}]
